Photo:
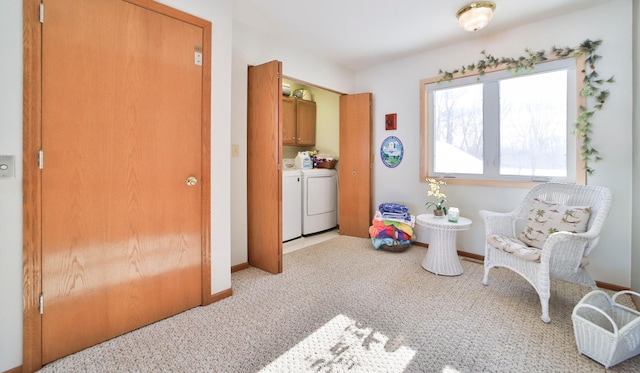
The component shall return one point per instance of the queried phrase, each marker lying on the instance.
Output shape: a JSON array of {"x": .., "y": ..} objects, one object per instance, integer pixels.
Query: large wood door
[
  {"x": 122, "y": 130},
  {"x": 355, "y": 164},
  {"x": 264, "y": 176}
]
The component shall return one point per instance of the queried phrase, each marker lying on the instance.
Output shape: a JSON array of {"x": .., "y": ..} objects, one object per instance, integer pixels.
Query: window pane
[
  {"x": 533, "y": 125},
  {"x": 457, "y": 130}
]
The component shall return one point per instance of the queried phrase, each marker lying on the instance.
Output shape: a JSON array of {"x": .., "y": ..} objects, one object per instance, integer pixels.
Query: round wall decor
[{"x": 391, "y": 151}]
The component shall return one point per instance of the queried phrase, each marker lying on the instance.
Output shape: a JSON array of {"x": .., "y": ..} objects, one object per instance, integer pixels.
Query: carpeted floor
[{"x": 341, "y": 306}]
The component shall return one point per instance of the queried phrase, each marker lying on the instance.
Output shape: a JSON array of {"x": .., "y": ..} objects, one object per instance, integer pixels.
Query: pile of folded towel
[{"x": 392, "y": 227}]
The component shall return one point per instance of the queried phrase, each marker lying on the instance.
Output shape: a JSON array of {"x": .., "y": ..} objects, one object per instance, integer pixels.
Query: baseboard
[
  {"x": 17, "y": 369},
  {"x": 239, "y": 267},
  {"x": 225, "y": 293},
  {"x": 477, "y": 257},
  {"x": 603, "y": 285},
  {"x": 218, "y": 296},
  {"x": 608, "y": 286},
  {"x": 461, "y": 253}
]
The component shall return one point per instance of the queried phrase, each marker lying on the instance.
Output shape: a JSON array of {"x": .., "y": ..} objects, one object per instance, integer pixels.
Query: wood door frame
[{"x": 32, "y": 178}]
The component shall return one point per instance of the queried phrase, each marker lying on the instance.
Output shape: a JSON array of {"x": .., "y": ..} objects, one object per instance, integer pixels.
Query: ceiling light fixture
[{"x": 476, "y": 15}]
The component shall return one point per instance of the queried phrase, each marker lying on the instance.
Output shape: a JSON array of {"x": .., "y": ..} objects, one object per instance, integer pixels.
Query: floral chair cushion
[
  {"x": 514, "y": 246},
  {"x": 546, "y": 218}
]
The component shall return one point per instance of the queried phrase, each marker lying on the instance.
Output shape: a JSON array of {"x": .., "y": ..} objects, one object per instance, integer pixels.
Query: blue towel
[
  {"x": 395, "y": 211},
  {"x": 395, "y": 208}
]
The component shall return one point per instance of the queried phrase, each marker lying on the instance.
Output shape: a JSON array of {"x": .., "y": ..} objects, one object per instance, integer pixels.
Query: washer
[
  {"x": 291, "y": 204},
  {"x": 319, "y": 200}
]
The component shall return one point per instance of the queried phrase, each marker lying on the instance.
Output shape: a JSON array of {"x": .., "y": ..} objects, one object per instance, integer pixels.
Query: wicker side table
[{"x": 442, "y": 255}]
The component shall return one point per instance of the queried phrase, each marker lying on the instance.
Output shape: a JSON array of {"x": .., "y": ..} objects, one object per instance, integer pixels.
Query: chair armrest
[
  {"x": 566, "y": 249},
  {"x": 499, "y": 222}
]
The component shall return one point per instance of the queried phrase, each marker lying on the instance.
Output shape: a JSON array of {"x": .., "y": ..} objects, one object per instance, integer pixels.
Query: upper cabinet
[
  {"x": 299, "y": 122},
  {"x": 289, "y": 121}
]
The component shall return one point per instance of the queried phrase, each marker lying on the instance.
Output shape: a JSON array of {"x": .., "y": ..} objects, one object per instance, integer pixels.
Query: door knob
[
  {"x": 191, "y": 181},
  {"x": 353, "y": 173}
]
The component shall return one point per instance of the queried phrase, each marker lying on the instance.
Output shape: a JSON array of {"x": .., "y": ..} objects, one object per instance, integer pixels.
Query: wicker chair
[{"x": 562, "y": 255}]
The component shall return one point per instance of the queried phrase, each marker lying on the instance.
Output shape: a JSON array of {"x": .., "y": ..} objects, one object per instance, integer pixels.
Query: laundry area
[
  {"x": 309, "y": 196},
  {"x": 310, "y": 156}
]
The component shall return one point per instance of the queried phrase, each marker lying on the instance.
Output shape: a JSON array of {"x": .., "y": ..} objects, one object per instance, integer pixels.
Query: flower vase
[{"x": 438, "y": 214}]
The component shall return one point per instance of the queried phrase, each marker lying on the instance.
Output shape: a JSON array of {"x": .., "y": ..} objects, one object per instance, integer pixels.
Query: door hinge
[
  {"x": 41, "y": 303},
  {"x": 41, "y": 159},
  {"x": 41, "y": 13}
]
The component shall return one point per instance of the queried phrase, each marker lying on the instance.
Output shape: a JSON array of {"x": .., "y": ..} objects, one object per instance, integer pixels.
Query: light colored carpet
[{"x": 341, "y": 306}]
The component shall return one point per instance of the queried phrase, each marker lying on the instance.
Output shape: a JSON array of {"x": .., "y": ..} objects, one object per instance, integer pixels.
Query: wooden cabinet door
[
  {"x": 289, "y": 120},
  {"x": 306, "y": 118},
  {"x": 264, "y": 176},
  {"x": 355, "y": 165}
]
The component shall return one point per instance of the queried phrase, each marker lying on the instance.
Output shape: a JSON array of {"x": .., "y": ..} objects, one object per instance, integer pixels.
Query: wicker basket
[
  {"x": 605, "y": 330},
  {"x": 327, "y": 164},
  {"x": 396, "y": 247}
]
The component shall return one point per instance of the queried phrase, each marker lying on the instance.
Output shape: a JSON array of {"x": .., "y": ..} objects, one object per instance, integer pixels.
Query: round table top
[{"x": 427, "y": 220}]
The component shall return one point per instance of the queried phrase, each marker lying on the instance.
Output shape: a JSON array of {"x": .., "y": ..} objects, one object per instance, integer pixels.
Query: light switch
[{"x": 7, "y": 166}]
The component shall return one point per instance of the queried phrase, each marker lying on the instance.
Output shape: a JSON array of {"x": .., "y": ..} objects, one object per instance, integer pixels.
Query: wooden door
[
  {"x": 355, "y": 165},
  {"x": 122, "y": 130},
  {"x": 264, "y": 176},
  {"x": 306, "y": 119}
]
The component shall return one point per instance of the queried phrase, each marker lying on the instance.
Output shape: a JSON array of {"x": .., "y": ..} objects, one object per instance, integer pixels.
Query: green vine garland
[{"x": 527, "y": 64}]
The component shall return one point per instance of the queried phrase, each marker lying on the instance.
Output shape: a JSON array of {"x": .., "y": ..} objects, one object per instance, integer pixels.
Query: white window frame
[{"x": 575, "y": 165}]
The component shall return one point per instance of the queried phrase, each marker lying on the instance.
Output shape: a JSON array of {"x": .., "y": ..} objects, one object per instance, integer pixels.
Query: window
[{"x": 503, "y": 127}]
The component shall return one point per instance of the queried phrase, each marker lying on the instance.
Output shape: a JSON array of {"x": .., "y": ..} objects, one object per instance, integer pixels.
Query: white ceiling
[{"x": 362, "y": 33}]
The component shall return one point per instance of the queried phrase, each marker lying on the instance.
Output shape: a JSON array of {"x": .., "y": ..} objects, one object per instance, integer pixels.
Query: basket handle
[
  {"x": 615, "y": 327},
  {"x": 623, "y": 292},
  {"x": 630, "y": 292}
]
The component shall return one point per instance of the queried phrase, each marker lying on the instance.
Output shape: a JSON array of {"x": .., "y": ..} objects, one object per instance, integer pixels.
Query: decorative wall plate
[{"x": 391, "y": 151}]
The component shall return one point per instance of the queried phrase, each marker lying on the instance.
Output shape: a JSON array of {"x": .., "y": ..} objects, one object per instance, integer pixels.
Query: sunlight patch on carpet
[{"x": 342, "y": 345}]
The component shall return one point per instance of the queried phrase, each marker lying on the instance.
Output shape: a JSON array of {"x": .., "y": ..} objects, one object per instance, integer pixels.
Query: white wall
[
  {"x": 219, "y": 13},
  {"x": 396, "y": 90},
  {"x": 328, "y": 121},
  {"x": 11, "y": 189},
  {"x": 251, "y": 47},
  {"x": 635, "y": 255}
]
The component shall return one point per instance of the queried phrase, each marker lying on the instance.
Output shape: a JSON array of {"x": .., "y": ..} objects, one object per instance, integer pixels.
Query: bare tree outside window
[
  {"x": 533, "y": 122},
  {"x": 458, "y": 130}
]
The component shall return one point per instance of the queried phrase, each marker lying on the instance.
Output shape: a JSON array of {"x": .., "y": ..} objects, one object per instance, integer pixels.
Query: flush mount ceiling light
[{"x": 476, "y": 15}]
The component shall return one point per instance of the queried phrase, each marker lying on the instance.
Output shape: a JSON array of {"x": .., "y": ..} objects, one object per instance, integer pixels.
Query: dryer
[{"x": 319, "y": 200}]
